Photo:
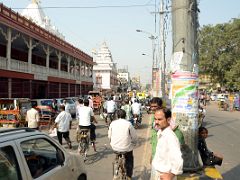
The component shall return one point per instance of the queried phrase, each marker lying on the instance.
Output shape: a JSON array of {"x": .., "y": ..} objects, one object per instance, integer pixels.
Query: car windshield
[
  {"x": 69, "y": 101},
  {"x": 26, "y": 105},
  {"x": 47, "y": 102}
]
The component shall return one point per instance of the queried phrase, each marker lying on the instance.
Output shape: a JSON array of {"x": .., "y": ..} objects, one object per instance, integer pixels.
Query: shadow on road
[
  {"x": 141, "y": 173},
  {"x": 143, "y": 126},
  {"x": 219, "y": 124},
  {"x": 102, "y": 152},
  {"x": 99, "y": 135},
  {"x": 232, "y": 174},
  {"x": 141, "y": 141}
]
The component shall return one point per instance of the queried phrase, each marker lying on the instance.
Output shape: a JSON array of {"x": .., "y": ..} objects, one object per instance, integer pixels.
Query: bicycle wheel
[
  {"x": 119, "y": 170},
  {"x": 115, "y": 170},
  {"x": 122, "y": 170},
  {"x": 78, "y": 136}
]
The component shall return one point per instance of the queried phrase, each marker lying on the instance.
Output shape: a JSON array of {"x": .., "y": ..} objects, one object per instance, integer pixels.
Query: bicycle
[
  {"x": 119, "y": 168},
  {"x": 83, "y": 140},
  {"x": 110, "y": 116}
]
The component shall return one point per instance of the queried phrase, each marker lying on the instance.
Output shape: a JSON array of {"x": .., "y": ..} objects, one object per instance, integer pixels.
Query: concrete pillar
[
  {"x": 9, "y": 87},
  {"x": 59, "y": 62},
  {"x": 9, "y": 43},
  {"x": 30, "y": 55},
  {"x": 75, "y": 71},
  {"x": 68, "y": 89},
  {"x": 47, "y": 58},
  {"x": 59, "y": 90},
  {"x": 68, "y": 66},
  {"x": 30, "y": 87}
]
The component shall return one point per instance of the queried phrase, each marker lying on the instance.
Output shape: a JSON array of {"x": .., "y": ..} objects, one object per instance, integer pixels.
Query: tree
[{"x": 219, "y": 53}]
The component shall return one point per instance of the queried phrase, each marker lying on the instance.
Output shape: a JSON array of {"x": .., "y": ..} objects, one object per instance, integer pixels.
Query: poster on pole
[
  {"x": 184, "y": 96},
  {"x": 176, "y": 61}
]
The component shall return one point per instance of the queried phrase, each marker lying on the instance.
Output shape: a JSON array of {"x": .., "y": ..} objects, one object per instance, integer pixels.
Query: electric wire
[{"x": 89, "y": 7}]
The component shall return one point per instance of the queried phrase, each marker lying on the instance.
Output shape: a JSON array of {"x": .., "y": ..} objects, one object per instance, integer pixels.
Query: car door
[
  {"x": 10, "y": 163},
  {"x": 44, "y": 158}
]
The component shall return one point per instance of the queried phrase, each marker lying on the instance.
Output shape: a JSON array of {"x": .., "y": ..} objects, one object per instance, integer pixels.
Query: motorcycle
[
  {"x": 201, "y": 116},
  {"x": 148, "y": 109},
  {"x": 137, "y": 120}
]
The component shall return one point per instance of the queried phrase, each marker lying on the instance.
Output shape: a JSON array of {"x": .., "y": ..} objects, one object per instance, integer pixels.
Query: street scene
[{"x": 141, "y": 90}]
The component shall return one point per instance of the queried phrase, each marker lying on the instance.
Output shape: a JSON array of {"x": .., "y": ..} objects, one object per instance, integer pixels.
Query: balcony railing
[
  {"x": 19, "y": 66},
  {"x": 3, "y": 63},
  {"x": 40, "y": 72}
]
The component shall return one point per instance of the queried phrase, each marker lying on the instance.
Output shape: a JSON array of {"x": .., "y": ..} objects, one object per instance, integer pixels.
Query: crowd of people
[{"x": 167, "y": 140}]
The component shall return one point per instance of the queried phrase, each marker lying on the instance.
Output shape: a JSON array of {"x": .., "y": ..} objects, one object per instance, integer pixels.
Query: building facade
[
  {"x": 37, "y": 63},
  {"x": 104, "y": 70},
  {"x": 124, "y": 79}
]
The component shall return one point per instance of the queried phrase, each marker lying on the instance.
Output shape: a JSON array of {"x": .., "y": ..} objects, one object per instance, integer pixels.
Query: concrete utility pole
[{"x": 185, "y": 76}]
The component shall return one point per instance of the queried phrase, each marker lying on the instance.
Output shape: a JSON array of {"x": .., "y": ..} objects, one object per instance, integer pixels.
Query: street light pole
[
  {"x": 162, "y": 49},
  {"x": 155, "y": 67}
]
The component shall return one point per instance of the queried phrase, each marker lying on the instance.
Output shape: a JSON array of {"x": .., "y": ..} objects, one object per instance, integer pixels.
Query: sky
[{"x": 116, "y": 22}]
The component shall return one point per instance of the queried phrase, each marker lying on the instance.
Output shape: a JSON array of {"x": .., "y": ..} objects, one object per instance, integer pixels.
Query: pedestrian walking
[
  {"x": 168, "y": 160},
  {"x": 32, "y": 118},
  {"x": 62, "y": 122}
]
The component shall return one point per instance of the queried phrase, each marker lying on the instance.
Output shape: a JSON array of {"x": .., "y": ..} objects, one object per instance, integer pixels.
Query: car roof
[
  {"x": 17, "y": 133},
  {"x": 41, "y": 99}
]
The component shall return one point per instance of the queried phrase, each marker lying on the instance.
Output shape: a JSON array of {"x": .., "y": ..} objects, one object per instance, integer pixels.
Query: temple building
[
  {"x": 36, "y": 61},
  {"x": 104, "y": 70}
]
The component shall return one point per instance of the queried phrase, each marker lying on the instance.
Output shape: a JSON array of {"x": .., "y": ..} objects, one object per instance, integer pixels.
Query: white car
[
  {"x": 29, "y": 154},
  {"x": 222, "y": 97},
  {"x": 71, "y": 105}
]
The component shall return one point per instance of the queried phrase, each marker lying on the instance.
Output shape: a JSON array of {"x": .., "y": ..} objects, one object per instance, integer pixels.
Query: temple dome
[{"x": 35, "y": 13}]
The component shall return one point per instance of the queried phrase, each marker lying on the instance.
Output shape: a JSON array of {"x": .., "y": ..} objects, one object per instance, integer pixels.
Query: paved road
[
  {"x": 99, "y": 164},
  {"x": 224, "y": 137}
]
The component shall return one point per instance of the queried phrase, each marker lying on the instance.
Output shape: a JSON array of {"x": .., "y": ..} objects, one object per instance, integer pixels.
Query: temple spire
[{"x": 35, "y": 1}]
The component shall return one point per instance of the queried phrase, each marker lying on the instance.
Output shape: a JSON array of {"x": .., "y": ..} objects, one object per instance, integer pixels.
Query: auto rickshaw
[{"x": 13, "y": 112}]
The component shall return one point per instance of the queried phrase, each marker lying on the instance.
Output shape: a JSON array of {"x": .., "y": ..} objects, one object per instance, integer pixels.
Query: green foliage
[{"x": 219, "y": 53}]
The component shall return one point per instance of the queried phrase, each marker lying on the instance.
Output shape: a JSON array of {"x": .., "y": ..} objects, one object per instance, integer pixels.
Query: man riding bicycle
[
  {"x": 136, "y": 111},
  {"x": 122, "y": 137},
  {"x": 111, "y": 108},
  {"x": 85, "y": 116}
]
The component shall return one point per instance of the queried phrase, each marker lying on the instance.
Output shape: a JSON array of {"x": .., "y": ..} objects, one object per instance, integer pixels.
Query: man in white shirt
[
  {"x": 85, "y": 114},
  {"x": 136, "y": 108},
  {"x": 62, "y": 122},
  {"x": 90, "y": 102},
  {"x": 122, "y": 137},
  {"x": 168, "y": 160},
  {"x": 67, "y": 107},
  {"x": 111, "y": 107},
  {"x": 85, "y": 118},
  {"x": 32, "y": 118},
  {"x": 136, "y": 111},
  {"x": 79, "y": 104}
]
